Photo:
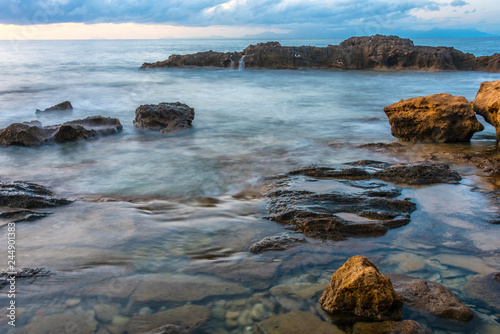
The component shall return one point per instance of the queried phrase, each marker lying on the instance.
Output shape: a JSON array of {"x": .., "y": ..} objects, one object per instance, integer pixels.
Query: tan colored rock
[
  {"x": 390, "y": 327},
  {"x": 358, "y": 288},
  {"x": 487, "y": 103},
  {"x": 60, "y": 323},
  {"x": 438, "y": 118},
  {"x": 295, "y": 322}
]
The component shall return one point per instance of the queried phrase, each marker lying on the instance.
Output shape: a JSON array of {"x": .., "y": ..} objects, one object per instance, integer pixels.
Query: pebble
[
  {"x": 73, "y": 302},
  {"x": 245, "y": 318},
  {"x": 231, "y": 315},
  {"x": 258, "y": 312},
  {"x": 145, "y": 310},
  {"x": 119, "y": 321},
  {"x": 230, "y": 323}
]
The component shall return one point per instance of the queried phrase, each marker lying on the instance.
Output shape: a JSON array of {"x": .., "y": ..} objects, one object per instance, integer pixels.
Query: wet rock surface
[
  {"x": 278, "y": 242},
  {"x": 19, "y": 194},
  {"x": 358, "y": 288},
  {"x": 23, "y": 216},
  {"x": 66, "y": 105},
  {"x": 34, "y": 134},
  {"x": 390, "y": 327},
  {"x": 367, "y": 52},
  {"x": 438, "y": 118},
  {"x": 295, "y": 322},
  {"x": 28, "y": 275},
  {"x": 164, "y": 117},
  {"x": 60, "y": 323},
  {"x": 487, "y": 103},
  {"x": 430, "y": 297},
  {"x": 485, "y": 288}
]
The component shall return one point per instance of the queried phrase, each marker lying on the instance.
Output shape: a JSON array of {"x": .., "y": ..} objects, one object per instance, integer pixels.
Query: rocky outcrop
[
  {"x": 164, "y": 117},
  {"x": 486, "y": 289},
  {"x": 358, "y": 288},
  {"x": 277, "y": 242},
  {"x": 438, "y": 118},
  {"x": 430, "y": 297},
  {"x": 19, "y": 194},
  {"x": 66, "y": 105},
  {"x": 34, "y": 134},
  {"x": 295, "y": 322},
  {"x": 368, "y": 52},
  {"x": 390, "y": 327},
  {"x": 487, "y": 103}
]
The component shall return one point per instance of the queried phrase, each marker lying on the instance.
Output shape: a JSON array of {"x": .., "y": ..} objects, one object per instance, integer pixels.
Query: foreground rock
[
  {"x": 438, "y": 118},
  {"x": 390, "y": 327},
  {"x": 19, "y": 194},
  {"x": 430, "y": 297},
  {"x": 27, "y": 274},
  {"x": 23, "y": 215},
  {"x": 164, "y": 117},
  {"x": 278, "y": 242},
  {"x": 66, "y": 105},
  {"x": 295, "y": 322},
  {"x": 60, "y": 323},
  {"x": 34, "y": 134},
  {"x": 352, "y": 199},
  {"x": 487, "y": 103},
  {"x": 485, "y": 288},
  {"x": 368, "y": 52},
  {"x": 358, "y": 288}
]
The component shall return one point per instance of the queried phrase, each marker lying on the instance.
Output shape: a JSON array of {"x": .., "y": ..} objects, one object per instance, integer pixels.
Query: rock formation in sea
[
  {"x": 66, "y": 105},
  {"x": 487, "y": 103},
  {"x": 368, "y": 52},
  {"x": 358, "y": 288},
  {"x": 164, "y": 117},
  {"x": 34, "y": 134},
  {"x": 25, "y": 195},
  {"x": 438, "y": 118}
]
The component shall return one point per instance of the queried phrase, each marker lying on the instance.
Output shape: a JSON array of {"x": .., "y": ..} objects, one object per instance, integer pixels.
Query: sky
[{"x": 152, "y": 19}]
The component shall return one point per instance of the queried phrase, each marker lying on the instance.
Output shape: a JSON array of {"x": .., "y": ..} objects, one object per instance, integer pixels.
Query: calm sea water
[{"x": 248, "y": 124}]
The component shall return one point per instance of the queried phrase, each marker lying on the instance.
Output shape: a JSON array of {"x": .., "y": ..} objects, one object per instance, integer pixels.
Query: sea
[{"x": 152, "y": 207}]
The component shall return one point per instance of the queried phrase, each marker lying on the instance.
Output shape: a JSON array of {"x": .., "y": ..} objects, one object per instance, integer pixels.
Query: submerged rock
[
  {"x": 66, "y": 105},
  {"x": 19, "y": 194},
  {"x": 430, "y": 297},
  {"x": 295, "y": 322},
  {"x": 278, "y": 242},
  {"x": 358, "y": 288},
  {"x": 24, "y": 215},
  {"x": 438, "y": 118},
  {"x": 367, "y": 52},
  {"x": 390, "y": 327},
  {"x": 485, "y": 288},
  {"x": 60, "y": 323},
  {"x": 487, "y": 103},
  {"x": 27, "y": 274},
  {"x": 164, "y": 117},
  {"x": 34, "y": 134}
]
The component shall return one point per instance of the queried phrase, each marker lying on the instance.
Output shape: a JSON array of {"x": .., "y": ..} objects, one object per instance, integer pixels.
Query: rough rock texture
[
  {"x": 390, "y": 327},
  {"x": 277, "y": 242},
  {"x": 431, "y": 297},
  {"x": 358, "y": 288},
  {"x": 487, "y": 103},
  {"x": 339, "y": 202},
  {"x": 66, "y": 105},
  {"x": 19, "y": 194},
  {"x": 485, "y": 288},
  {"x": 295, "y": 322},
  {"x": 27, "y": 274},
  {"x": 34, "y": 134},
  {"x": 438, "y": 118},
  {"x": 368, "y": 52},
  {"x": 164, "y": 117},
  {"x": 23, "y": 215},
  {"x": 60, "y": 323}
]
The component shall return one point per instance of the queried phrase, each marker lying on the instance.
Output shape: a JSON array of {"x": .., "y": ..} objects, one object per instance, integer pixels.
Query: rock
[
  {"x": 278, "y": 242},
  {"x": 188, "y": 318},
  {"x": 168, "y": 329},
  {"x": 60, "y": 323},
  {"x": 66, "y": 105},
  {"x": 258, "y": 312},
  {"x": 368, "y": 52},
  {"x": 19, "y": 194},
  {"x": 298, "y": 290},
  {"x": 438, "y": 118},
  {"x": 164, "y": 117},
  {"x": 390, "y": 327},
  {"x": 485, "y": 288},
  {"x": 33, "y": 134},
  {"x": 27, "y": 274},
  {"x": 24, "y": 215},
  {"x": 358, "y": 288},
  {"x": 430, "y": 297},
  {"x": 487, "y": 103},
  {"x": 295, "y": 322},
  {"x": 420, "y": 173}
]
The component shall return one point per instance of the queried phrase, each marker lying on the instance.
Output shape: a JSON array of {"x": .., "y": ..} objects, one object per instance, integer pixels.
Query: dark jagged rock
[
  {"x": 164, "y": 117},
  {"x": 278, "y": 242},
  {"x": 66, "y": 105},
  {"x": 487, "y": 103},
  {"x": 368, "y": 52},
  {"x": 358, "y": 288},
  {"x": 33, "y": 134},
  {"x": 430, "y": 297},
  {"x": 438, "y": 118},
  {"x": 19, "y": 194},
  {"x": 28, "y": 274},
  {"x": 24, "y": 215},
  {"x": 419, "y": 174}
]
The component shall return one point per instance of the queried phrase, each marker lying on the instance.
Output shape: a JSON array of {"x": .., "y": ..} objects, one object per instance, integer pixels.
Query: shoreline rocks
[
  {"x": 487, "y": 103},
  {"x": 25, "y": 195},
  {"x": 438, "y": 118},
  {"x": 368, "y": 52},
  {"x": 278, "y": 242},
  {"x": 66, "y": 105},
  {"x": 164, "y": 117}
]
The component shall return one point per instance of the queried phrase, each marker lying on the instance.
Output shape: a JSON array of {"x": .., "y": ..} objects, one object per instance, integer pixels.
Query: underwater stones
[
  {"x": 388, "y": 327},
  {"x": 34, "y": 134},
  {"x": 430, "y": 297},
  {"x": 358, "y": 288},
  {"x": 438, "y": 118},
  {"x": 20, "y": 194},
  {"x": 60, "y": 323},
  {"x": 487, "y": 103},
  {"x": 485, "y": 288},
  {"x": 164, "y": 117},
  {"x": 295, "y": 322},
  {"x": 298, "y": 290},
  {"x": 278, "y": 242},
  {"x": 66, "y": 105}
]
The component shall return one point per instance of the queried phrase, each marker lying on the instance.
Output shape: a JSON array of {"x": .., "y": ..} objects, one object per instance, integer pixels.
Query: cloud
[{"x": 459, "y": 3}]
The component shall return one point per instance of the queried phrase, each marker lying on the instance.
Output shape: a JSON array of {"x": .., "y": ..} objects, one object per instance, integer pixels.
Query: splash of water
[{"x": 241, "y": 64}]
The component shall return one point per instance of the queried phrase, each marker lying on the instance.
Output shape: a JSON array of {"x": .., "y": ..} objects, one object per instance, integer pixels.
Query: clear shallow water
[{"x": 248, "y": 124}]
